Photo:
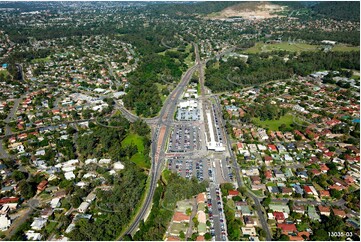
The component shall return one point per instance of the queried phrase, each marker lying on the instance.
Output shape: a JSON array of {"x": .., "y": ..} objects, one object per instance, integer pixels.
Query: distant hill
[
  {"x": 341, "y": 10},
  {"x": 192, "y": 8}
]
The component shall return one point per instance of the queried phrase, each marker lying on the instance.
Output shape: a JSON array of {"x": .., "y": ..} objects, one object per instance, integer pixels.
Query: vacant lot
[
  {"x": 249, "y": 10},
  {"x": 41, "y": 60},
  {"x": 274, "y": 124},
  {"x": 295, "y": 47},
  {"x": 138, "y": 158},
  {"x": 340, "y": 47}
]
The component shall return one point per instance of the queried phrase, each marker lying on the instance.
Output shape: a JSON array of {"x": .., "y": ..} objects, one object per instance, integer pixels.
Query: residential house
[
  {"x": 324, "y": 210},
  {"x": 42, "y": 185},
  {"x": 46, "y": 212},
  {"x": 279, "y": 208},
  {"x": 180, "y": 217},
  {"x": 287, "y": 228},
  {"x": 38, "y": 223},
  {"x": 32, "y": 235},
  {"x": 246, "y": 211},
  {"x": 90, "y": 197},
  {"x": 299, "y": 209},
  {"x": 312, "y": 213},
  {"x": 286, "y": 191},
  {"x": 83, "y": 207},
  {"x": 249, "y": 231},
  {"x": 5, "y": 222},
  {"x": 324, "y": 194},
  {"x": 55, "y": 202},
  {"x": 256, "y": 180},
  {"x": 232, "y": 193},
  {"x": 249, "y": 221},
  {"x": 4, "y": 209},
  {"x": 339, "y": 212},
  {"x": 279, "y": 217}
]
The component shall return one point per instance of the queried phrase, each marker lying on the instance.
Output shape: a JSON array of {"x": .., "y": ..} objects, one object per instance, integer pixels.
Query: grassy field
[
  {"x": 274, "y": 124},
  {"x": 271, "y": 184},
  {"x": 50, "y": 227},
  {"x": 262, "y": 47},
  {"x": 138, "y": 158},
  {"x": 172, "y": 49},
  {"x": 340, "y": 47},
  {"x": 160, "y": 87},
  {"x": 189, "y": 61},
  {"x": 258, "y": 193},
  {"x": 295, "y": 47},
  {"x": 4, "y": 73},
  {"x": 39, "y": 60}
]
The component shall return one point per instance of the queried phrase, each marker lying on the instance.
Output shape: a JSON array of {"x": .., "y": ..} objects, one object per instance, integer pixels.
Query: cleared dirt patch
[{"x": 249, "y": 10}]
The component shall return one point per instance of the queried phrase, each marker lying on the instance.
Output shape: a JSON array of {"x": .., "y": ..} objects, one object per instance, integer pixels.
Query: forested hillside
[
  {"x": 340, "y": 10},
  {"x": 265, "y": 67}
]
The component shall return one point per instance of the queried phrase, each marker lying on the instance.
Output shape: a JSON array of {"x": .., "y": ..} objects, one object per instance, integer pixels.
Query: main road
[
  {"x": 161, "y": 132},
  {"x": 240, "y": 183},
  {"x": 159, "y": 137}
]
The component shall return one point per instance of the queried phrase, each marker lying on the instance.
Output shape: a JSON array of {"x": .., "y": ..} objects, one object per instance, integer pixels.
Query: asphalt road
[
  {"x": 159, "y": 138},
  {"x": 166, "y": 117},
  {"x": 240, "y": 183}
]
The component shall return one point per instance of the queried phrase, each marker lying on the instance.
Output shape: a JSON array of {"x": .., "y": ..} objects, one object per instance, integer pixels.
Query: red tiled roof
[
  {"x": 279, "y": 216},
  {"x": 295, "y": 238},
  {"x": 268, "y": 158},
  {"x": 268, "y": 174},
  {"x": 9, "y": 200},
  {"x": 324, "y": 193},
  {"x": 42, "y": 185},
  {"x": 200, "y": 238},
  {"x": 287, "y": 227},
  {"x": 173, "y": 238},
  {"x": 272, "y": 147},
  {"x": 304, "y": 233},
  {"x": 307, "y": 189},
  {"x": 200, "y": 198},
  {"x": 339, "y": 212},
  {"x": 324, "y": 209},
  {"x": 323, "y": 167},
  {"x": 180, "y": 217},
  {"x": 233, "y": 193}
]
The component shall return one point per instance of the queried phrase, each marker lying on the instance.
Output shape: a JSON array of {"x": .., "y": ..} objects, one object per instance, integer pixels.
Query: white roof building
[
  {"x": 104, "y": 161},
  {"x": 69, "y": 175},
  {"x": 118, "y": 166},
  {"x": 32, "y": 235},
  {"x": 5, "y": 222},
  {"x": 83, "y": 207},
  {"x": 55, "y": 202},
  {"x": 88, "y": 161},
  {"x": 38, "y": 223}
]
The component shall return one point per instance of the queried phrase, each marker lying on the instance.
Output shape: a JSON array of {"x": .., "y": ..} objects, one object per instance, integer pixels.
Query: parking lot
[
  {"x": 218, "y": 228},
  {"x": 184, "y": 138},
  {"x": 188, "y": 168},
  {"x": 188, "y": 115}
]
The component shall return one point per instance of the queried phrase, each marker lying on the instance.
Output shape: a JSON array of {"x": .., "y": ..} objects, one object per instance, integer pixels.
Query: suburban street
[{"x": 240, "y": 183}]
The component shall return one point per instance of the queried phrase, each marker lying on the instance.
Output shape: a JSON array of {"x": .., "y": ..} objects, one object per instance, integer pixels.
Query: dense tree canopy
[{"x": 265, "y": 67}]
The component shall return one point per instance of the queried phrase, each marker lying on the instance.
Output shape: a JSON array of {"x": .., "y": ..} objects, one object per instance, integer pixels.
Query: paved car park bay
[
  {"x": 184, "y": 138},
  {"x": 188, "y": 168}
]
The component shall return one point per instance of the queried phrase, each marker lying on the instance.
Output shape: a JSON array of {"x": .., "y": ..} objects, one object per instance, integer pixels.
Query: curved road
[
  {"x": 166, "y": 117},
  {"x": 159, "y": 137}
]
